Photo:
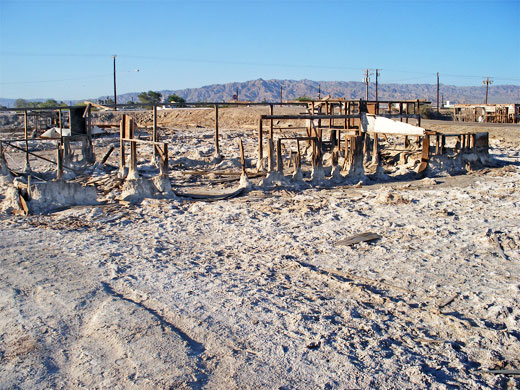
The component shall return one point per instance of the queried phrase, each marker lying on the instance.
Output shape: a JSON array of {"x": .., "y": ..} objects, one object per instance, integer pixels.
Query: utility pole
[
  {"x": 437, "y": 92},
  {"x": 237, "y": 95},
  {"x": 319, "y": 92},
  {"x": 487, "y": 83},
  {"x": 377, "y": 76},
  {"x": 115, "y": 90},
  {"x": 366, "y": 80},
  {"x": 281, "y": 94}
]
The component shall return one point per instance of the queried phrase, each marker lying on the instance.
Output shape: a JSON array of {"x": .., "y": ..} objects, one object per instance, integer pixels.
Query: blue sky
[{"x": 63, "y": 49}]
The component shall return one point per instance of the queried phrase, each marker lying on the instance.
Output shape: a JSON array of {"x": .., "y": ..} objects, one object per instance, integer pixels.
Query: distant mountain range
[{"x": 269, "y": 90}]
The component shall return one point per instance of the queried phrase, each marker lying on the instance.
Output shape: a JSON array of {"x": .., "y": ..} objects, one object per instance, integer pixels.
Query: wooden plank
[
  {"x": 23, "y": 203},
  {"x": 242, "y": 157}
]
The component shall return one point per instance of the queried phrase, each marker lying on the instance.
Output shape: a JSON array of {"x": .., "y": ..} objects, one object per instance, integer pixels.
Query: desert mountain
[{"x": 269, "y": 90}]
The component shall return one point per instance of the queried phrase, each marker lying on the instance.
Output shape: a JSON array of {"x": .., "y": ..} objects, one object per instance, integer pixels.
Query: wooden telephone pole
[
  {"x": 115, "y": 91},
  {"x": 377, "y": 76},
  {"x": 366, "y": 80},
  {"x": 487, "y": 82},
  {"x": 437, "y": 92}
]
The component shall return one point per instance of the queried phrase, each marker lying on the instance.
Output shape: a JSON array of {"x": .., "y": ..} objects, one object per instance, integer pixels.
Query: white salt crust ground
[{"x": 251, "y": 293}]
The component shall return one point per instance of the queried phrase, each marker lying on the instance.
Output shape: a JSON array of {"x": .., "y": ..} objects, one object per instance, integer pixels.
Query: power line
[{"x": 248, "y": 63}]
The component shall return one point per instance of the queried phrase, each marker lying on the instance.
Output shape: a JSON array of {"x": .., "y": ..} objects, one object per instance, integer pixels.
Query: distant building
[{"x": 490, "y": 113}]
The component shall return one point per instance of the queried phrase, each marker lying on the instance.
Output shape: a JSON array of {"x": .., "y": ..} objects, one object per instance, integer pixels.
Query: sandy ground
[{"x": 253, "y": 293}]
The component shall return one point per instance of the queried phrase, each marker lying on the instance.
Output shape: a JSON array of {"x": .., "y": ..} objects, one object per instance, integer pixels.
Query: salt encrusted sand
[{"x": 252, "y": 293}]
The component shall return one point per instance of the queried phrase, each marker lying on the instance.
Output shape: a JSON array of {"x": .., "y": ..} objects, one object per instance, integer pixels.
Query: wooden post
[
  {"x": 133, "y": 151},
  {"x": 425, "y": 154},
  {"x": 154, "y": 133},
  {"x": 375, "y": 150},
  {"x": 270, "y": 155},
  {"x": 279, "y": 161},
  {"x": 271, "y": 130},
  {"x": 163, "y": 167},
  {"x": 90, "y": 157},
  {"x": 260, "y": 149},
  {"x": 122, "y": 134},
  {"x": 330, "y": 110},
  {"x": 298, "y": 156},
  {"x": 217, "y": 148},
  {"x": 59, "y": 163},
  {"x": 242, "y": 157},
  {"x": 437, "y": 142},
  {"x": 443, "y": 144},
  {"x": 26, "y": 129},
  {"x": 347, "y": 111}
]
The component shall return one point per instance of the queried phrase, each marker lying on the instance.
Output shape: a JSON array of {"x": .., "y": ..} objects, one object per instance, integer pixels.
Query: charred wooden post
[
  {"x": 437, "y": 142},
  {"x": 443, "y": 144},
  {"x": 59, "y": 163},
  {"x": 279, "y": 161},
  {"x": 107, "y": 154},
  {"x": 406, "y": 142}
]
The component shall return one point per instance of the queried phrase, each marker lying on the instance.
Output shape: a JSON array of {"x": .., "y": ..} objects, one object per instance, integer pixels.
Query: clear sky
[{"x": 63, "y": 49}]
